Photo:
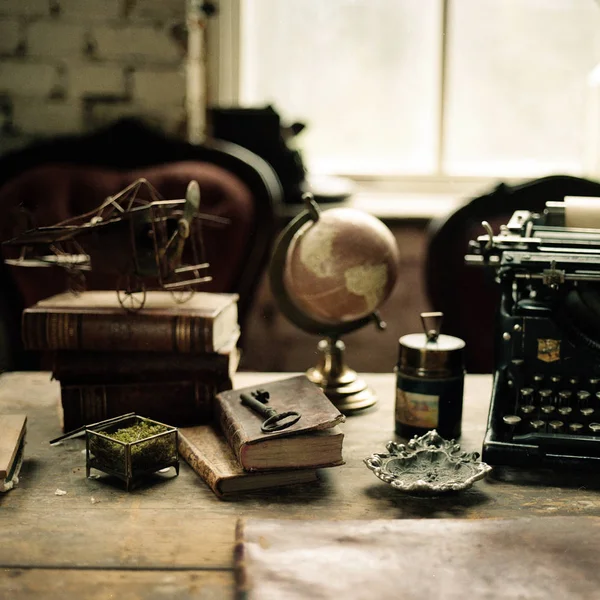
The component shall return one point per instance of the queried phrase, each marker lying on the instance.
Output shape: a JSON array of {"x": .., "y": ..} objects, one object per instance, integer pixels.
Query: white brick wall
[
  {"x": 51, "y": 39},
  {"x": 27, "y": 78},
  {"x": 42, "y": 117},
  {"x": 87, "y": 10},
  {"x": 157, "y": 9},
  {"x": 68, "y": 66},
  {"x": 9, "y": 36},
  {"x": 136, "y": 43},
  {"x": 154, "y": 87},
  {"x": 91, "y": 79},
  {"x": 29, "y": 8}
]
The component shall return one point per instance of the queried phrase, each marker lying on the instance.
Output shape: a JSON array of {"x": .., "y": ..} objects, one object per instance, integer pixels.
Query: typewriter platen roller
[{"x": 545, "y": 406}]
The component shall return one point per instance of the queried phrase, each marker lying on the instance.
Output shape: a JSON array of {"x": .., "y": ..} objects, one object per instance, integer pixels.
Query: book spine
[
  {"x": 181, "y": 403},
  {"x": 233, "y": 431},
  {"x": 83, "y": 364},
  {"x": 45, "y": 330},
  {"x": 200, "y": 466}
]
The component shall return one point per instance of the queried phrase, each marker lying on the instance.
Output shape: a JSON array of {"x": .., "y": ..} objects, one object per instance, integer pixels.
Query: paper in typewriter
[{"x": 445, "y": 559}]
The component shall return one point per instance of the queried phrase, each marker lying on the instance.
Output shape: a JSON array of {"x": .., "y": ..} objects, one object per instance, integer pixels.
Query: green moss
[
  {"x": 135, "y": 433},
  {"x": 144, "y": 455}
]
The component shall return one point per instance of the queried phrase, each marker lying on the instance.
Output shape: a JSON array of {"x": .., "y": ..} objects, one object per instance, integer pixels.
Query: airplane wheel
[
  {"x": 182, "y": 295},
  {"x": 131, "y": 293}
]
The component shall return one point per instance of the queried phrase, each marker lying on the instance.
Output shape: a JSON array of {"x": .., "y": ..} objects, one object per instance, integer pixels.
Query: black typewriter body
[{"x": 545, "y": 405}]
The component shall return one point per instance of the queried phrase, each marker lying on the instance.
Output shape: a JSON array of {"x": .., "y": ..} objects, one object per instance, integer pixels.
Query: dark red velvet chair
[
  {"x": 65, "y": 177},
  {"x": 468, "y": 296}
]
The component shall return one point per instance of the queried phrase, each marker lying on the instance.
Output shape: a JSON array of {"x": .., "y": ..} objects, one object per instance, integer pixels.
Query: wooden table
[{"x": 174, "y": 539}]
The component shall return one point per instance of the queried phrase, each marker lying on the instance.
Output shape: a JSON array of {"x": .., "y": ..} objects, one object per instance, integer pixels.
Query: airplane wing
[
  {"x": 44, "y": 235},
  {"x": 78, "y": 262}
]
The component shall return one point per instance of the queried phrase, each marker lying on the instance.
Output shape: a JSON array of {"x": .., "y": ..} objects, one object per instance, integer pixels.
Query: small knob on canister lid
[{"x": 432, "y": 324}]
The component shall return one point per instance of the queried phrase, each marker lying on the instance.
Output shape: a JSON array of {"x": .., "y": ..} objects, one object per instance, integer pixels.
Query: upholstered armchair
[{"x": 57, "y": 179}]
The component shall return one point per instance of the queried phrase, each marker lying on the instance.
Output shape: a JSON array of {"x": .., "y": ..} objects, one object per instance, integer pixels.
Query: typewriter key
[
  {"x": 595, "y": 427},
  {"x": 575, "y": 427},
  {"x": 574, "y": 381},
  {"x": 556, "y": 426},
  {"x": 582, "y": 397},
  {"x": 587, "y": 412},
  {"x": 564, "y": 396},
  {"x": 512, "y": 421},
  {"x": 527, "y": 395},
  {"x": 527, "y": 409},
  {"x": 538, "y": 378},
  {"x": 545, "y": 396},
  {"x": 565, "y": 411},
  {"x": 547, "y": 409},
  {"x": 537, "y": 426},
  {"x": 594, "y": 381},
  {"x": 555, "y": 379}
]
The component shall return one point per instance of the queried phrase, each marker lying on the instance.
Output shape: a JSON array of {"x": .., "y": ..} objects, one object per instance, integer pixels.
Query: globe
[
  {"x": 342, "y": 267},
  {"x": 330, "y": 273}
]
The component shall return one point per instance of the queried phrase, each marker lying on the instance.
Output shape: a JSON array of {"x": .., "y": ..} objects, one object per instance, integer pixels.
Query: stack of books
[
  {"x": 233, "y": 454},
  {"x": 166, "y": 362}
]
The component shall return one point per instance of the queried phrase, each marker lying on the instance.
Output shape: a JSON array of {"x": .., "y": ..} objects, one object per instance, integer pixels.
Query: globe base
[{"x": 342, "y": 385}]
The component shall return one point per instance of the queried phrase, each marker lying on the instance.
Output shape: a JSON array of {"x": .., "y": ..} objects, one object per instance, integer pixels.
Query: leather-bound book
[
  {"x": 177, "y": 403},
  {"x": 177, "y": 389},
  {"x": 206, "y": 450},
  {"x": 96, "y": 321},
  {"x": 90, "y": 367},
  {"x": 12, "y": 441},
  {"x": 313, "y": 441}
]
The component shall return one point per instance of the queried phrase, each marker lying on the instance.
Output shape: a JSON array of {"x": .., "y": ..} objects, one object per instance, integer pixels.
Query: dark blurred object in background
[{"x": 260, "y": 130}]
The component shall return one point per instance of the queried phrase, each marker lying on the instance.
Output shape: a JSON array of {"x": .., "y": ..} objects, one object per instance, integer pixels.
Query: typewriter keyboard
[{"x": 553, "y": 406}]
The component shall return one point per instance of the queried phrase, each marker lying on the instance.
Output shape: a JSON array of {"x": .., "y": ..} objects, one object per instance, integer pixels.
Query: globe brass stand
[
  {"x": 341, "y": 384},
  {"x": 347, "y": 391}
]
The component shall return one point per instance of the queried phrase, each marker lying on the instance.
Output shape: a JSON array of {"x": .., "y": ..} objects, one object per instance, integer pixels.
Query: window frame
[{"x": 223, "y": 49}]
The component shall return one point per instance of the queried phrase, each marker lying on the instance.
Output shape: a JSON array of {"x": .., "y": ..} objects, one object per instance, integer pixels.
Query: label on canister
[
  {"x": 423, "y": 404},
  {"x": 416, "y": 409}
]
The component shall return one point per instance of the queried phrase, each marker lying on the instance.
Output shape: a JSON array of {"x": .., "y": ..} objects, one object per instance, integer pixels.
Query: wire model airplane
[{"x": 129, "y": 237}]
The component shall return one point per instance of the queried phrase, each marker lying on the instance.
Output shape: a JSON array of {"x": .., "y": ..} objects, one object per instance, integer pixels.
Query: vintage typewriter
[{"x": 545, "y": 406}]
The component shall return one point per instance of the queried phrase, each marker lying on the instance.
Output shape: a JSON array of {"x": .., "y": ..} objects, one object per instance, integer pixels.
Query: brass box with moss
[{"x": 131, "y": 447}]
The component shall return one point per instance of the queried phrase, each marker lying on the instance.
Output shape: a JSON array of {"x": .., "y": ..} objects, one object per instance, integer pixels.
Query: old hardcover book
[
  {"x": 206, "y": 450},
  {"x": 413, "y": 559},
  {"x": 177, "y": 403},
  {"x": 96, "y": 321},
  {"x": 89, "y": 366},
  {"x": 12, "y": 441},
  {"x": 314, "y": 441}
]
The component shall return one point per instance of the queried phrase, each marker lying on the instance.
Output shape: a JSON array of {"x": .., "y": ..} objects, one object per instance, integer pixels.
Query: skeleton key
[{"x": 274, "y": 421}]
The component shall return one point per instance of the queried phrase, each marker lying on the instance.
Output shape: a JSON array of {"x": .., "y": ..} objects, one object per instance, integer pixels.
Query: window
[{"x": 422, "y": 88}]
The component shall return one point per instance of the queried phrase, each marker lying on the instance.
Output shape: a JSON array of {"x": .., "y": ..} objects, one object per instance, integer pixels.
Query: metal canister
[{"x": 430, "y": 381}]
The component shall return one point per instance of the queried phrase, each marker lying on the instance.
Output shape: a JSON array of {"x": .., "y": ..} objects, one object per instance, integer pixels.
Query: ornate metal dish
[{"x": 427, "y": 465}]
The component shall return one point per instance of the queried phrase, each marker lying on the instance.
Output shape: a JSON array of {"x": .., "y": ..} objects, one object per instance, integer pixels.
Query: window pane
[
  {"x": 363, "y": 74},
  {"x": 517, "y": 85}
]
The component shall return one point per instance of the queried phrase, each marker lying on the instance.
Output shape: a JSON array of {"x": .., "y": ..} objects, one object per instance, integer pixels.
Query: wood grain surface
[{"x": 176, "y": 524}]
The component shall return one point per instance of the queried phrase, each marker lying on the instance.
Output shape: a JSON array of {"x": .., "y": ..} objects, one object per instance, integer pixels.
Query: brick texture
[
  {"x": 158, "y": 9},
  {"x": 56, "y": 40},
  {"x": 139, "y": 44},
  {"x": 39, "y": 117},
  {"x": 27, "y": 79},
  {"x": 91, "y": 79},
  {"x": 29, "y": 8},
  {"x": 158, "y": 88},
  {"x": 69, "y": 66},
  {"x": 97, "y": 10},
  {"x": 9, "y": 36}
]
